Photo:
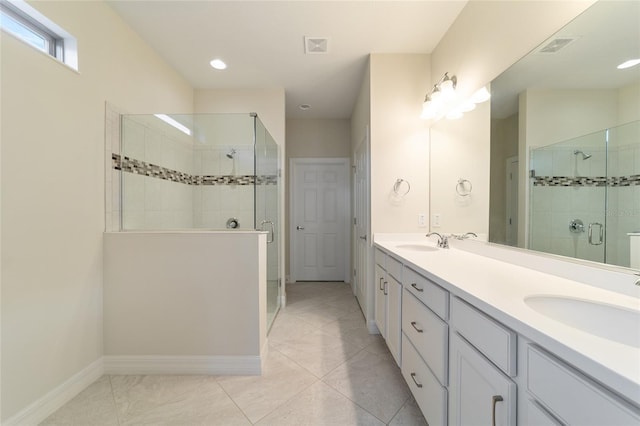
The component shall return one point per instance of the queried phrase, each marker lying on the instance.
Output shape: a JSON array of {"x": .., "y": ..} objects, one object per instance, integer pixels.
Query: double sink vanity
[{"x": 482, "y": 339}]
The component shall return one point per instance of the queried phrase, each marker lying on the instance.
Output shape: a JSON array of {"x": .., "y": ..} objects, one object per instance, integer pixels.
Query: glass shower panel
[
  {"x": 568, "y": 198},
  {"x": 623, "y": 195},
  {"x": 267, "y": 211}
]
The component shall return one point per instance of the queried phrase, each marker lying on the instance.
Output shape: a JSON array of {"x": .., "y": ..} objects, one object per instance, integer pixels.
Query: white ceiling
[{"x": 262, "y": 43}]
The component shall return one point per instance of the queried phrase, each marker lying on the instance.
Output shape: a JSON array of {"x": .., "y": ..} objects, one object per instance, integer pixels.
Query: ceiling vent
[
  {"x": 316, "y": 45},
  {"x": 557, "y": 44}
]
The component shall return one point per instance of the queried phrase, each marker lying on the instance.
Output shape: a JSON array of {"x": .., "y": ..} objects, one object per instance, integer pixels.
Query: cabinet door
[
  {"x": 394, "y": 304},
  {"x": 479, "y": 393},
  {"x": 381, "y": 300}
]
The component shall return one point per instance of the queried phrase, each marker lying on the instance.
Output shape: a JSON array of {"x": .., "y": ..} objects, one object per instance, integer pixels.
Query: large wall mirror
[{"x": 565, "y": 142}]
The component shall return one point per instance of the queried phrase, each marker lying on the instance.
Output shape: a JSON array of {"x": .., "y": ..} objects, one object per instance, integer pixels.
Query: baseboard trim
[
  {"x": 157, "y": 364},
  {"x": 373, "y": 328},
  {"x": 42, "y": 408}
]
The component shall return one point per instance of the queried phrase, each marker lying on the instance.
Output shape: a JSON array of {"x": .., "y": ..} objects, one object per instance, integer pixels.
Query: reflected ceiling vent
[
  {"x": 316, "y": 45},
  {"x": 557, "y": 44}
]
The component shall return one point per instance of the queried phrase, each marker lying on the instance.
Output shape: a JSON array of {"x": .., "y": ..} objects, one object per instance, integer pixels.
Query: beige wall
[
  {"x": 267, "y": 103},
  {"x": 52, "y": 190},
  {"x": 399, "y": 141},
  {"x": 313, "y": 138}
]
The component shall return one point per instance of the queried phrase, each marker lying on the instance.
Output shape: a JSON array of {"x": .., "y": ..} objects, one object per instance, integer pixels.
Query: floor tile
[
  {"x": 409, "y": 415},
  {"x": 289, "y": 326},
  {"x": 318, "y": 352},
  {"x": 373, "y": 382},
  {"x": 257, "y": 396},
  {"x": 174, "y": 400},
  {"x": 92, "y": 406},
  {"x": 318, "y": 406}
]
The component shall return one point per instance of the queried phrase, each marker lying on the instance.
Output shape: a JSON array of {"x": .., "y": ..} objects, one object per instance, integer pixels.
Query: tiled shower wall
[
  {"x": 566, "y": 187},
  {"x": 171, "y": 180}
]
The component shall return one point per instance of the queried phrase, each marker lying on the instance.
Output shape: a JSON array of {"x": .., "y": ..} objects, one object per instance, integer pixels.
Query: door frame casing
[{"x": 294, "y": 163}]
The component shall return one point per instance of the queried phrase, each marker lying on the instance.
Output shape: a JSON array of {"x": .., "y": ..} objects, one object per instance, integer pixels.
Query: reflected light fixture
[
  {"x": 482, "y": 95},
  {"x": 628, "y": 64}
]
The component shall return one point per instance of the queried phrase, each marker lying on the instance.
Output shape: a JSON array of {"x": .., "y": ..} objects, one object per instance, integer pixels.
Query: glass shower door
[{"x": 267, "y": 211}]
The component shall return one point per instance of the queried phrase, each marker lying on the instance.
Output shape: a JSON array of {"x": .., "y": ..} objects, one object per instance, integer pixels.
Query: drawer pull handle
[
  {"x": 385, "y": 291},
  {"x": 413, "y": 324},
  {"x": 380, "y": 286},
  {"x": 413, "y": 376},
  {"x": 416, "y": 287},
  {"x": 495, "y": 400}
]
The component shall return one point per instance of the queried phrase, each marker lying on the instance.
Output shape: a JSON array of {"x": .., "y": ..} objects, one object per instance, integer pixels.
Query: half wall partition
[{"x": 201, "y": 172}]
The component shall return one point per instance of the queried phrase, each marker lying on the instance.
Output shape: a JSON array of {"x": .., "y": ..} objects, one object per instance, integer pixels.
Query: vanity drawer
[
  {"x": 429, "y": 293},
  {"x": 380, "y": 258},
  {"x": 494, "y": 340},
  {"x": 572, "y": 397},
  {"x": 394, "y": 268},
  {"x": 538, "y": 416},
  {"x": 430, "y": 396},
  {"x": 428, "y": 333}
]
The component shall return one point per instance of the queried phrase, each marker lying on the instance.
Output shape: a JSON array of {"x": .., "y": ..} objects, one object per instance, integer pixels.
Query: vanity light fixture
[
  {"x": 628, "y": 64},
  {"x": 443, "y": 91},
  {"x": 218, "y": 64},
  {"x": 481, "y": 95}
]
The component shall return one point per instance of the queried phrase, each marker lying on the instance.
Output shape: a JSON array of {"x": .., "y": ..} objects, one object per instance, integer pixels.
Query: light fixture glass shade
[
  {"x": 466, "y": 107},
  {"x": 447, "y": 89},
  {"x": 454, "y": 114},
  {"x": 429, "y": 110},
  {"x": 480, "y": 96}
]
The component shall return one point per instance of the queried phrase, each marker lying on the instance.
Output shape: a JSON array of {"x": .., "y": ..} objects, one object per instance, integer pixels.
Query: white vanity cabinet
[
  {"x": 567, "y": 396},
  {"x": 466, "y": 367},
  {"x": 483, "y": 355},
  {"x": 388, "y": 301}
]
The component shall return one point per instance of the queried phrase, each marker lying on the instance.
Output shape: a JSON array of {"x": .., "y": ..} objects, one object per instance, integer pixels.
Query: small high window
[{"x": 27, "y": 24}]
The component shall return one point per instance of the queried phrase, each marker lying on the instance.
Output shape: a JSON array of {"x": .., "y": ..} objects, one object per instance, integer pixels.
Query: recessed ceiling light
[
  {"x": 304, "y": 107},
  {"x": 218, "y": 64},
  {"x": 628, "y": 64}
]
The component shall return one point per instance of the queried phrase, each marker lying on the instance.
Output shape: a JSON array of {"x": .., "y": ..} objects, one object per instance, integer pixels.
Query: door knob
[
  {"x": 364, "y": 237},
  {"x": 299, "y": 228}
]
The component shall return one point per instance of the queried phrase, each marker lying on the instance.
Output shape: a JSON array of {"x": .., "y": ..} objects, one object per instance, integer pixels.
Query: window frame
[{"x": 59, "y": 44}]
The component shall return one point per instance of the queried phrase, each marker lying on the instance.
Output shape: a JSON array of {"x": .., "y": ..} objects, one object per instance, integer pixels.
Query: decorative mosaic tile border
[
  {"x": 633, "y": 180},
  {"x": 138, "y": 167}
]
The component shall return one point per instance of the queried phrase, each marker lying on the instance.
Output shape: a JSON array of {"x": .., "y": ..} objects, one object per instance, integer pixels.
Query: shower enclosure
[
  {"x": 207, "y": 172},
  {"x": 585, "y": 196}
]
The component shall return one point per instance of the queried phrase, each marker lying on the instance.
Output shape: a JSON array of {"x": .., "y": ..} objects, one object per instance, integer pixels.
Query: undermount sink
[
  {"x": 610, "y": 322},
  {"x": 416, "y": 247}
]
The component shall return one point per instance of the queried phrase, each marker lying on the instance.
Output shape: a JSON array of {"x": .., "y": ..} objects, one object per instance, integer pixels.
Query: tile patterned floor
[{"x": 323, "y": 368}]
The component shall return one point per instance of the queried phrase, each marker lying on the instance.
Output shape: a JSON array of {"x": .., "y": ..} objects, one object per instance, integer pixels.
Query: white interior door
[
  {"x": 512, "y": 202},
  {"x": 320, "y": 219},
  {"x": 361, "y": 222}
]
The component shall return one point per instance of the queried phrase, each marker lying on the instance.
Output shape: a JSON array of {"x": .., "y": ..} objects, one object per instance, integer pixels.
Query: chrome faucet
[
  {"x": 443, "y": 241},
  {"x": 465, "y": 236}
]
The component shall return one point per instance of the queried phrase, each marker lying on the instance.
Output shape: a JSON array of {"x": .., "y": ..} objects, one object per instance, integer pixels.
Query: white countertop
[{"x": 500, "y": 288}]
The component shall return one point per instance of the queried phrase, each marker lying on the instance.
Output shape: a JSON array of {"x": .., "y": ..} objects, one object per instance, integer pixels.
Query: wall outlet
[
  {"x": 435, "y": 222},
  {"x": 422, "y": 220}
]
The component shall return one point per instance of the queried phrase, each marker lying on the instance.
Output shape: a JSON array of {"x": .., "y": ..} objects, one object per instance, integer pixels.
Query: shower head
[
  {"x": 584, "y": 155},
  {"x": 231, "y": 153}
]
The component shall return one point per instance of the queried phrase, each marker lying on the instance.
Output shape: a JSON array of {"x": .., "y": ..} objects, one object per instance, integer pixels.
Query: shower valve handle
[{"x": 300, "y": 228}]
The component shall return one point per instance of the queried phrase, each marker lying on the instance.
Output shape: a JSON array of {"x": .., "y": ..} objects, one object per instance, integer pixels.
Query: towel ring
[
  {"x": 396, "y": 187},
  {"x": 461, "y": 187}
]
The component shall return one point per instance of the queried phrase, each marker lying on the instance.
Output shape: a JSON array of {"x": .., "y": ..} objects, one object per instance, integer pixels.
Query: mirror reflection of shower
[{"x": 585, "y": 156}]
